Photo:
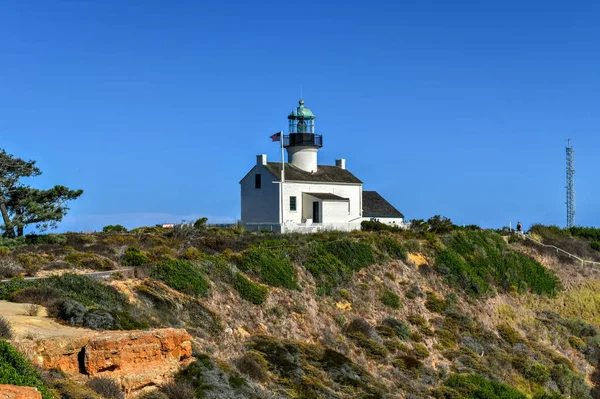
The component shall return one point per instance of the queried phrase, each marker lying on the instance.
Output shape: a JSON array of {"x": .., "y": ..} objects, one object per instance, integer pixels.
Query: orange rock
[
  {"x": 14, "y": 392},
  {"x": 134, "y": 358}
]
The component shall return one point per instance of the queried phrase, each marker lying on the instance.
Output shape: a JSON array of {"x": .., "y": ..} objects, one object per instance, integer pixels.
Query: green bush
[
  {"x": 367, "y": 225},
  {"x": 390, "y": 299},
  {"x": 435, "y": 303},
  {"x": 400, "y": 329},
  {"x": 182, "y": 276},
  {"x": 590, "y": 233},
  {"x": 393, "y": 248},
  {"x": 420, "y": 351},
  {"x": 89, "y": 260},
  {"x": 473, "y": 259},
  {"x": 15, "y": 370},
  {"x": 576, "y": 342},
  {"x": 32, "y": 263},
  {"x": 34, "y": 239},
  {"x": 474, "y": 386},
  {"x": 272, "y": 266},
  {"x": 252, "y": 292},
  {"x": 355, "y": 255},
  {"x": 595, "y": 245},
  {"x": 133, "y": 257},
  {"x": 327, "y": 269},
  {"x": 114, "y": 228}
]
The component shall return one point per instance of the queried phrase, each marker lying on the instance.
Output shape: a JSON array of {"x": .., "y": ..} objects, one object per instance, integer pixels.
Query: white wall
[
  {"x": 260, "y": 205},
  {"x": 335, "y": 212},
  {"x": 304, "y": 205}
]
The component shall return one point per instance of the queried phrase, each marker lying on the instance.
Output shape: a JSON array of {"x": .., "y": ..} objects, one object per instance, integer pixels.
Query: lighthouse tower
[{"x": 302, "y": 144}]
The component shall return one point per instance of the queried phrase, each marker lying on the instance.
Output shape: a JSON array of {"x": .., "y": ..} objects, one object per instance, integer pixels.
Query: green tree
[{"x": 22, "y": 205}]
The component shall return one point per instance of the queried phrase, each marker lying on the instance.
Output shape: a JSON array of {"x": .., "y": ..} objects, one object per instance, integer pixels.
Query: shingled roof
[
  {"x": 374, "y": 205},
  {"x": 324, "y": 174}
]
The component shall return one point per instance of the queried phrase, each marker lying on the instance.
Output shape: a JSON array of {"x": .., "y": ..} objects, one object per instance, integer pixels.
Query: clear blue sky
[{"x": 157, "y": 108}]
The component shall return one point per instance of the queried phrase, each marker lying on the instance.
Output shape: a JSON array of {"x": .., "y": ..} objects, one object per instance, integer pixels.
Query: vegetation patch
[
  {"x": 272, "y": 266},
  {"x": 133, "y": 257},
  {"x": 250, "y": 291},
  {"x": 473, "y": 259},
  {"x": 473, "y": 386},
  {"x": 89, "y": 260},
  {"x": 15, "y": 370},
  {"x": 182, "y": 276},
  {"x": 390, "y": 299}
]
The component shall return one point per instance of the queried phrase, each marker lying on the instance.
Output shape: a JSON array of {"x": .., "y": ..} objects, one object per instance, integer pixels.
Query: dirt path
[{"x": 40, "y": 326}]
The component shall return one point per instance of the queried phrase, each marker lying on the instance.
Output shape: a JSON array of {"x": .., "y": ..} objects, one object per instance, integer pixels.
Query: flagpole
[{"x": 282, "y": 179}]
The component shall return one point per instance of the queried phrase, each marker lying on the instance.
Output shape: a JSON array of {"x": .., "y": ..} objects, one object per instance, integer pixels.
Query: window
[
  {"x": 292, "y": 203},
  {"x": 257, "y": 180}
]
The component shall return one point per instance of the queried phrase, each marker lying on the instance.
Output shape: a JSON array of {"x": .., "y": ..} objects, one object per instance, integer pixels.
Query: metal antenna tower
[{"x": 570, "y": 184}]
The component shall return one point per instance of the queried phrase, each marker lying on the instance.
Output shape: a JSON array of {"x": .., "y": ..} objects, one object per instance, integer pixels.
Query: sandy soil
[{"x": 40, "y": 326}]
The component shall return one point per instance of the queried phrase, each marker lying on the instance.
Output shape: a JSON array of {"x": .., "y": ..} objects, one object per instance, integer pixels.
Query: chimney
[
  {"x": 340, "y": 163},
  {"x": 261, "y": 159}
]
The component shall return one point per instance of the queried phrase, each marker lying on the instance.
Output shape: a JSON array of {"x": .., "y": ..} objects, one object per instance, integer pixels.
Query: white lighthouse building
[{"x": 303, "y": 196}]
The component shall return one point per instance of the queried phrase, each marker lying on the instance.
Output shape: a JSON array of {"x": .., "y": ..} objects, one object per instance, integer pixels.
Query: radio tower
[{"x": 570, "y": 184}]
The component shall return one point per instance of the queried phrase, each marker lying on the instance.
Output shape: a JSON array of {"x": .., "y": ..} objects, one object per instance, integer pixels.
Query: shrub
[
  {"x": 401, "y": 330},
  {"x": 114, "y": 228},
  {"x": 474, "y": 386},
  {"x": 250, "y": 291},
  {"x": 32, "y": 309},
  {"x": 89, "y": 260},
  {"x": 43, "y": 296},
  {"x": 490, "y": 260},
  {"x": 361, "y": 326},
  {"x": 71, "y": 311},
  {"x": 440, "y": 224},
  {"x": 15, "y": 370},
  {"x": 367, "y": 225},
  {"x": 34, "y": 239},
  {"x": 32, "y": 263},
  {"x": 420, "y": 351},
  {"x": 435, "y": 303},
  {"x": 393, "y": 248},
  {"x": 107, "y": 387},
  {"x": 327, "y": 269},
  {"x": 192, "y": 253},
  {"x": 254, "y": 365},
  {"x": 182, "y": 276},
  {"x": 407, "y": 363},
  {"x": 152, "y": 395},
  {"x": 178, "y": 390},
  {"x": 200, "y": 224},
  {"x": 509, "y": 334},
  {"x": 9, "y": 268},
  {"x": 6, "y": 331},
  {"x": 274, "y": 267},
  {"x": 98, "y": 319},
  {"x": 417, "y": 320},
  {"x": 355, "y": 255},
  {"x": 595, "y": 245},
  {"x": 576, "y": 342},
  {"x": 4, "y": 252},
  {"x": 390, "y": 299},
  {"x": 133, "y": 257}
]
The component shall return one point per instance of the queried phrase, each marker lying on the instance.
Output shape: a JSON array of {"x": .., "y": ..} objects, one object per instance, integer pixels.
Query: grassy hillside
[{"x": 447, "y": 312}]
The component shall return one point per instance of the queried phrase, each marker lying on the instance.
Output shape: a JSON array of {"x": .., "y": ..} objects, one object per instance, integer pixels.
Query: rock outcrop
[
  {"x": 134, "y": 358},
  {"x": 14, "y": 392}
]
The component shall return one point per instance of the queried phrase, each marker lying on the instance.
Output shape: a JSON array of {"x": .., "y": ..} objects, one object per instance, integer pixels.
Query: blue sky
[{"x": 157, "y": 108}]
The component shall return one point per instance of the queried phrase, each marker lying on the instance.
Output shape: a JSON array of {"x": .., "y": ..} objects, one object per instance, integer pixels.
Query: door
[{"x": 316, "y": 212}]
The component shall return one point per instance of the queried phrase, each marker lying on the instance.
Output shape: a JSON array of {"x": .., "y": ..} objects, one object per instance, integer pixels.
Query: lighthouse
[
  {"x": 304, "y": 197},
  {"x": 302, "y": 144}
]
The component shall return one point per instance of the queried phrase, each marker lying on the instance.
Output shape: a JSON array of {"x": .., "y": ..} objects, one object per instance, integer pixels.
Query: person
[{"x": 519, "y": 227}]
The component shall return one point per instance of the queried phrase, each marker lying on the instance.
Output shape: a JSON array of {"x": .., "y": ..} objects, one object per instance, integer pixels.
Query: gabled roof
[
  {"x": 327, "y": 196},
  {"x": 324, "y": 174},
  {"x": 374, "y": 205}
]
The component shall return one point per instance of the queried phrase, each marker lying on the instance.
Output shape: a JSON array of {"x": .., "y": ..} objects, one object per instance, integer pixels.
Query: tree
[
  {"x": 440, "y": 224},
  {"x": 22, "y": 205}
]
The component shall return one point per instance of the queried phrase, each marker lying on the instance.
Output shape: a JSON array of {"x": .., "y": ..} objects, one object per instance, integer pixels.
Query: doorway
[{"x": 316, "y": 212}]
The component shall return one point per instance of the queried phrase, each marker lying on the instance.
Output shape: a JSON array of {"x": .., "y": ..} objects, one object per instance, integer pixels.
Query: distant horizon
[{"x": 157, "y": 110}]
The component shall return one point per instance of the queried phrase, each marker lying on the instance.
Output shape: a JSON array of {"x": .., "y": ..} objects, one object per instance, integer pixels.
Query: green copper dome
[{"x": 301, "y": 112}]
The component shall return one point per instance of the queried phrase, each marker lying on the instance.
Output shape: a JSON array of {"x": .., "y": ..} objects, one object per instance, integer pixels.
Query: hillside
[{"x": 447, "y": 312}]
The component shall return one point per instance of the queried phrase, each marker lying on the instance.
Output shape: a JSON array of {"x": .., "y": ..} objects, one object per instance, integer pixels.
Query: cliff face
[{"x": 134, "y": 358}]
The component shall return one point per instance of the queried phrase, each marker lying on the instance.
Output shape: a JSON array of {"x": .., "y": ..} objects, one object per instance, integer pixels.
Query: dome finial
[{"x": 301, "y": 102}]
